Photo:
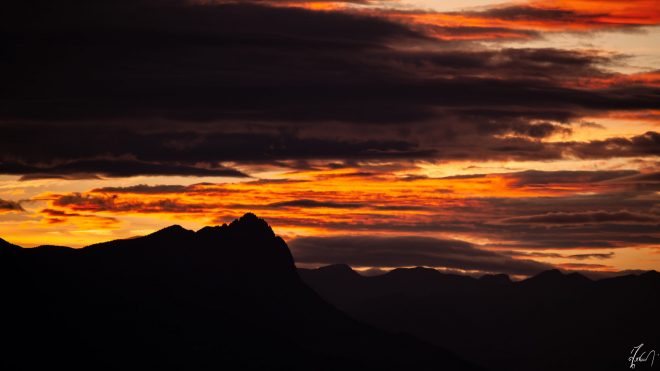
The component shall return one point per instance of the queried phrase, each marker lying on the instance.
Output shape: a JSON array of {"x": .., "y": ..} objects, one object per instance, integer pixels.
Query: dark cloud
[
  {"x": 124, "y": 152},
  {"x": 79, "y": 201},
  {"x": 531, "y": 13},
  {"x": 522, "y": 149},
  {"x": 539, "y": 254},
  {"x": 608, "y": 255},
  {"x": 53, "y": 216},
  {"x": 578, "y": 266},
  {"x": 608, "y": 219},
  {"x": 472, "y": 32},
  {"x": 647, "y": 144},
  {"x": 118, "y": 59},
  {"x": 57, "y": 213},
  {"x": 593, "y": 19},
  {"x": 646, "y": 177},
  {"x": 313, "y": 204},
  {"x": 368, "y": 251},
  {"x": 544, "y": 178},
  {"x": 645, "y": 182},
  {"x": 533, "y": 254},
  {"x": 622, "y": 216},
  {"x": 276, "y": 181},
  {"x": 541, "y": 130},
  {"x": 175, "y": 85},
  {"x": 623, "y": 220},
  {"x": 171, "y": 152},
  {"x": 144, "y": 189},
  {"x": 114, "y": 203},
  {"x": 401, "y": 207},
  {"x": 111, "y": 168},
  {"x": 7, "y": 205}
]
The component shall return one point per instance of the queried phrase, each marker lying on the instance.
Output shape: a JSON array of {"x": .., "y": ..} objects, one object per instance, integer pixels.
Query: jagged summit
[
  {"x": 248, "y": 227},
  {"x": 249, "y": 218},
  {"x": 248, "y": 221},
  {"x": 252, "y": 224}
]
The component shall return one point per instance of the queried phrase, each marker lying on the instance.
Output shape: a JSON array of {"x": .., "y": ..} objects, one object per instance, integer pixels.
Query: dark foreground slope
[
  {"x": 552, "y": 321},
  {"x": 222, "y": 298}
]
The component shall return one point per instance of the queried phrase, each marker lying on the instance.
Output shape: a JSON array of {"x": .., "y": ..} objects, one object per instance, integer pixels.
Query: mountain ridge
[
  {"x": 221, "y": 297},
  {"x": 507, "y": 325}
]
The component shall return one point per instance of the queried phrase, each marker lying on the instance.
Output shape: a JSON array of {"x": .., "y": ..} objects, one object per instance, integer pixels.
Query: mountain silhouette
[
  {"x": 496, "y": 279},
  {"x": 6, "y": 246},
  {"x": 225, "y": 297},
  {"x": 551, "y": 321}
]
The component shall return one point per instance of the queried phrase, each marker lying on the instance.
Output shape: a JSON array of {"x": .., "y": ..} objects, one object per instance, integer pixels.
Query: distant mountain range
[
  {"x": 552, "y": 321},
  {"x": 221, "y": 298}
]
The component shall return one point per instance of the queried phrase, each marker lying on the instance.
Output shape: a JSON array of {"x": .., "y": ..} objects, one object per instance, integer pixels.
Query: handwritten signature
[{"x": 637, "y": 357}]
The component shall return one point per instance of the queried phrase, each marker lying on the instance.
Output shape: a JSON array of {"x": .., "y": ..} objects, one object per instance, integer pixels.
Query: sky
[{"x": 470, "y": 136}]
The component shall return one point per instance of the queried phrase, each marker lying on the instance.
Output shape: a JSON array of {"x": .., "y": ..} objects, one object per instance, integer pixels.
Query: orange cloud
[
  {"x": 87, "y": 221},
  {"x": 510, "y": 21},
  {"x": 529, "y": 212},
  {"x": 338, "y": 197},
  {"x": 649, "y": 78},
  {"x": 524, "y": 20}
]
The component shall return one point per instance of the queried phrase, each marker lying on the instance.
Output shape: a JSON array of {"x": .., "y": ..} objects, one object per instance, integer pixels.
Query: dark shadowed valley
[{"x": 551, "y": 321}]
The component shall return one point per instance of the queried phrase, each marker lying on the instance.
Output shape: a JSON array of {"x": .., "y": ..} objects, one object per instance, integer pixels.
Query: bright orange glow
[{"x": 328, "y": 196}]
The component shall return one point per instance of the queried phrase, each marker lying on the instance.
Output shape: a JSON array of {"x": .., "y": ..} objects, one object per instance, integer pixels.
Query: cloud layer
[
  {"x": 403, "y": 251},
  {"x": 179, "y": 88}
]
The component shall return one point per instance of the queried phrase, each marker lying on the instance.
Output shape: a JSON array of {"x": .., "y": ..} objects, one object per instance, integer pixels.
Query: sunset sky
[{"x": 472, "y": 136}]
